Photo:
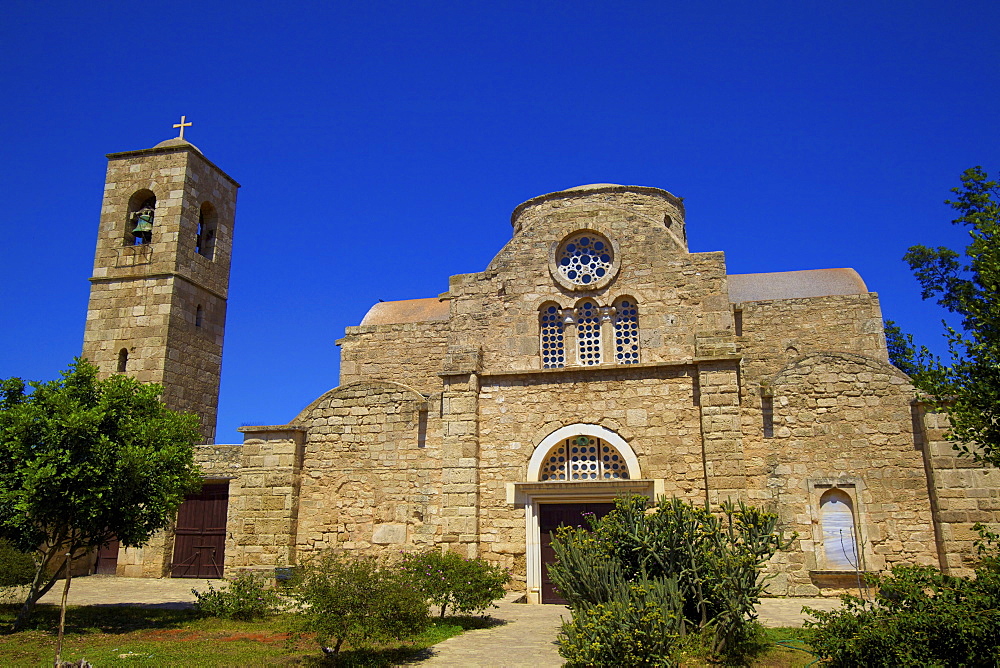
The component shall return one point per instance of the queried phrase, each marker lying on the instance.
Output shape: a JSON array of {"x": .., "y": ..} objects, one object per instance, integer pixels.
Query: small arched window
[
  {"x": 588, "y": 332},
  {"x": 198, "y": 315},
  {"x": 205, "y": 242},
  {"x": 583, "y": 458},
  {"x": 551, "y": 345},
  {"x": 139, "y": 225},
  {"x": 122, "y": 360},
  {"x": 626, "y": 331},
  {"x": 836, "y": 512}
]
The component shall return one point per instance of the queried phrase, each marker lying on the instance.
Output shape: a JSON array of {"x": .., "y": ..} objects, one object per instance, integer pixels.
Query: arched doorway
[{"x": 576, "y": 469}]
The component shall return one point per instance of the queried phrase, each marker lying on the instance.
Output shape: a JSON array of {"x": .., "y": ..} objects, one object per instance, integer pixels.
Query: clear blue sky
[{"x": 382, "y": 146}]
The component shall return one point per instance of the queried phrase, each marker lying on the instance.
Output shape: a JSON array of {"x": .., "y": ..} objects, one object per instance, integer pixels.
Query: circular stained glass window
[{"x": 584, "y": 258}]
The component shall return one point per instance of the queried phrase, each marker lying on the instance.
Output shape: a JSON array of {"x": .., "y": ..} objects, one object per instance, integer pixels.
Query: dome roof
[
  {"x": 594, "y": 186},
  {"x": 795, "y": 285},
  {"x": 407, "y": 310},
  {"x": 177, "y": 141}
]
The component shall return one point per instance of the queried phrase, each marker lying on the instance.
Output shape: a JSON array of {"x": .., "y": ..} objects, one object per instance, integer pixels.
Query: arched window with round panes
[
  {"x": 588, "y": 332},
  {"x": 551, "y": 344},
  {"x": 626, "y": 331},
  {"x": 583, "y": 458}
]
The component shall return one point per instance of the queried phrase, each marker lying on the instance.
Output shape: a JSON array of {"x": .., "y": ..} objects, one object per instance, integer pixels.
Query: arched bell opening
[
  {"x": 207, "y": 230},
  {"x": 141, "y": 214}
]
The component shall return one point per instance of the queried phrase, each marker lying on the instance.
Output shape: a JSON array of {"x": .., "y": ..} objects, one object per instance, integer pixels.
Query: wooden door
[
  {"x": 107, "y": 558},
  {"x": 200, "y": 538},
  {"x": 550, "y": 517}
]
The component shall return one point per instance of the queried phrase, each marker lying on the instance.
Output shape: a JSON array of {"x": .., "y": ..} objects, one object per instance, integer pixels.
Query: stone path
[
  {"x": 526, "y": 638},
  {"x": 113, "y": 590}
]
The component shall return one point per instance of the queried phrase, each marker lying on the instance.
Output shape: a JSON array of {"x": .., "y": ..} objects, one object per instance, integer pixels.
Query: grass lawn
[
  {"x": 787, "y": 649},
  {"x": 131, "y": 636}
]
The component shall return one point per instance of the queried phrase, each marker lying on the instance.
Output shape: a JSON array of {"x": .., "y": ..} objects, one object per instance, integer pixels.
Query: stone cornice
[
  {"x": 159, "y": 274},
  {"x": 598, "y": 369},
  {"x": 163, "y": 150}
]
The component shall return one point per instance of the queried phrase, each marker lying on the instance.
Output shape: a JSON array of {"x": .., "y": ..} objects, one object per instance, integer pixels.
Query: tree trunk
[
  {"x": 37, "y": 589},
  {"x": 62, "y": 609}
]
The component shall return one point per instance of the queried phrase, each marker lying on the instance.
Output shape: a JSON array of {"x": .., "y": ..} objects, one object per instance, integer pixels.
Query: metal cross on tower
[{"x": 182, "y": 125}]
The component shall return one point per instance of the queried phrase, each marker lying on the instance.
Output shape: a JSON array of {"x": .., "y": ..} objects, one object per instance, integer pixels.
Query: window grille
[
  {"x": 588, "y": 333},
  {"x": 626, "y": 332},
  {"x": 583, "y": 458},
  {"x": 551, "y": 331},
  {"x": 584, "y": 258}
]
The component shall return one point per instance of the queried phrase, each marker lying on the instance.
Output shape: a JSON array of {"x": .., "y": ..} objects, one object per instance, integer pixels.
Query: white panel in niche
[{"x": 837, "y": 518}]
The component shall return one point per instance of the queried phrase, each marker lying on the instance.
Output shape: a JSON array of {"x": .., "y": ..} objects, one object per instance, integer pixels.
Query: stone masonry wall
[
  {"x": 652, "y": 407},
  {"x": 776, "y": 332},
  {"x": 410, "y": 353},
  {"x": 264, "y": 499},
  {"x": 193, "y": 365},
  {"x": 133, "y": 316},
  {"x": 371, "y": 470},
  {"x": 963, "y": 491},
  {"x": 844, "y": 421}
]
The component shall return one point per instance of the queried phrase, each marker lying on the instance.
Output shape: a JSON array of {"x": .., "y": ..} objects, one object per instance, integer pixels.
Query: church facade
[{"x": 595, "y": 356}]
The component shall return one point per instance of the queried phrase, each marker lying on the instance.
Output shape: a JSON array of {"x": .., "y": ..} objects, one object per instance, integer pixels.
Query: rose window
[
  {"x": 584, "y": 258},
  {"x": 583, "y": 458}
]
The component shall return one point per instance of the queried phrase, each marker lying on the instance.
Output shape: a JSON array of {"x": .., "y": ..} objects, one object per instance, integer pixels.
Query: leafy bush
[
  {"x": 448, "y": 579},
  {"x": 16, "y": 567},
  {"x": 358, "y": 601},
  {"x": 919, "y": 617},
  {"x": 712, "y": 561},
  {"x": 247, "y": 596},
  {"x": 638, "y": 626}
]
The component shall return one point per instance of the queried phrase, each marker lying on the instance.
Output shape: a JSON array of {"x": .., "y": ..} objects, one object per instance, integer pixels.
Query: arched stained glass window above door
[{"x": 583, "y": 458}]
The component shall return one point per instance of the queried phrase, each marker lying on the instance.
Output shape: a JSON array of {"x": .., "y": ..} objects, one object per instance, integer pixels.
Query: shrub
[
  {"x": 247, "y": 596},
  {"x": 358, "y": 601},
  {"x": 448, "y": 579},
  {"x": 713, "y": 561},
  {"x": 16, "y": 567},
  {"x": 638, "y": 626},
  {"x": 919, "y": 617}
]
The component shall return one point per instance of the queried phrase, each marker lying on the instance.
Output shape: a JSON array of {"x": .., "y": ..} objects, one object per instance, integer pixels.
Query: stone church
[{"x": 595, "y": 356}]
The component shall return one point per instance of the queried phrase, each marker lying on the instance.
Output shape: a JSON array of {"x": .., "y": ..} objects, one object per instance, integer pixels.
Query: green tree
[
  {"x": 357, "y": 600},
  {"x": 966, "y": 284},
  {"x": 83, "y": 461},
  {"x": 449, "y": 579}
]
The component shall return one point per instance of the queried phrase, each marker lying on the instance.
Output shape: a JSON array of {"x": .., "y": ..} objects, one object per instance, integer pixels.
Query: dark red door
[
  {"x": 107, "y": 558},
  {"x": 550, "y": 517},
  {"x": 200, "y": 539}
]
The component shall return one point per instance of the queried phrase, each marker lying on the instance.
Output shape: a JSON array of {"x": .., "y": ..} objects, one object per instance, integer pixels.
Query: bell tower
[{"x": 158, "y": 294}]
